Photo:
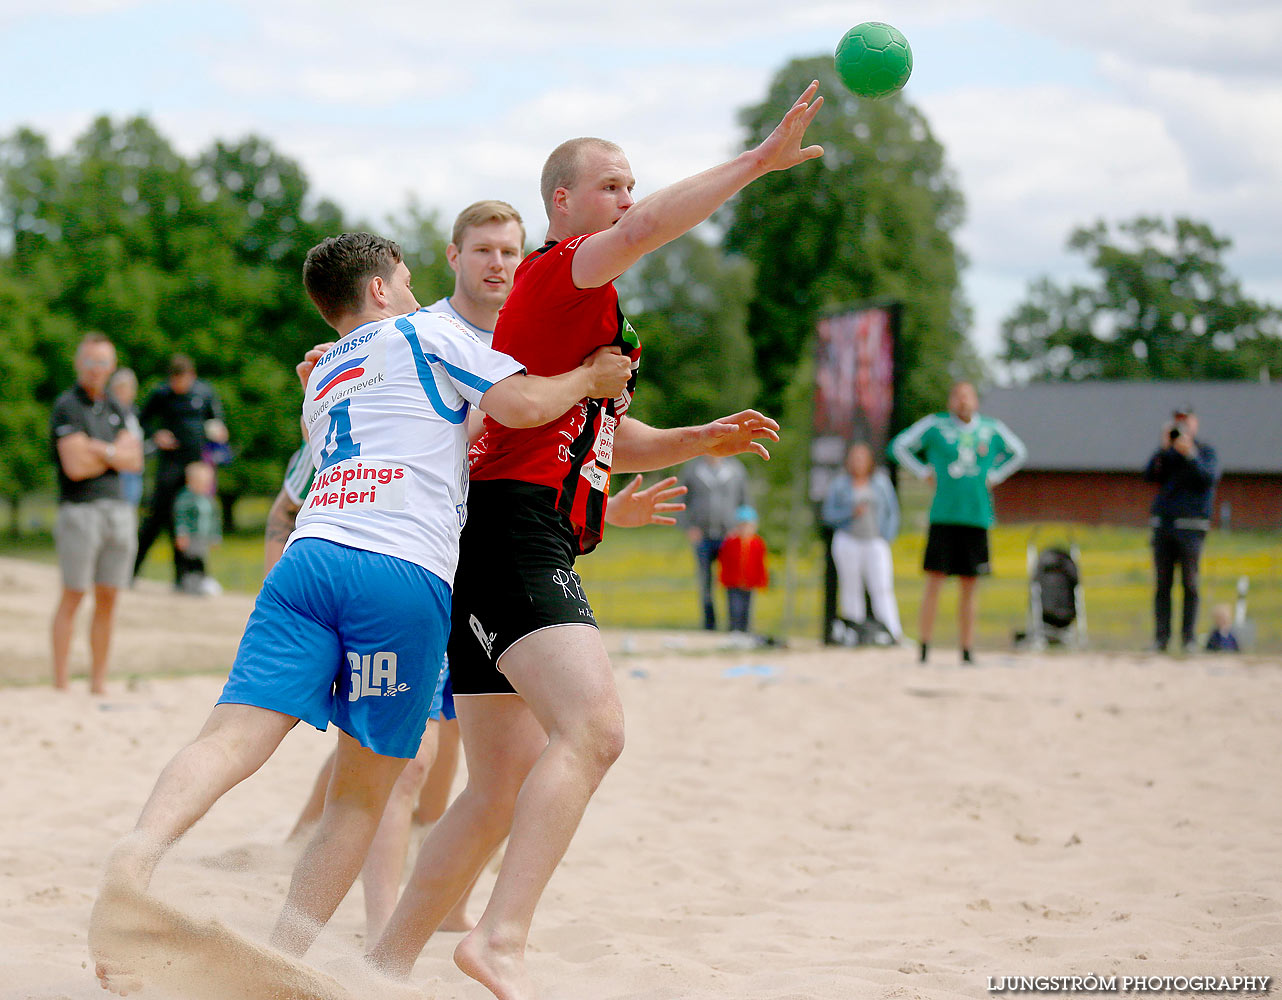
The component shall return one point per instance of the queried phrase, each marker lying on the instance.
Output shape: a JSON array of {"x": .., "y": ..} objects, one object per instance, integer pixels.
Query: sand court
[{"x": 782, "y": 824}]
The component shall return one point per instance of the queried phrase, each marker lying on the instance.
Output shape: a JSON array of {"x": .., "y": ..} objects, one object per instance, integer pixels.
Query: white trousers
[{"x": 866, "y": 563}]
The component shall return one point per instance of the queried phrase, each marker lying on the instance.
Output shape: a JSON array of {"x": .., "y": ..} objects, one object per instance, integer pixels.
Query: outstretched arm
[
  {"x": 678, "y": 208},
  {"x": 633, "y": 507},
  {"x": 638, "y": 447}
]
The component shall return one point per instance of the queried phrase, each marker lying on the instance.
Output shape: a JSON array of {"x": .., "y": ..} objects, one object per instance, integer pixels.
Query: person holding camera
[{"x": 1186, "y": 470}]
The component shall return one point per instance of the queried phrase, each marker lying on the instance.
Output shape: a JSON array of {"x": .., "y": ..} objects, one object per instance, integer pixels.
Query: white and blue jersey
[
  {"x": 385, "y": 411},
  {"x": 300, "y": 470},
  {"x": 350, "y": 626}
]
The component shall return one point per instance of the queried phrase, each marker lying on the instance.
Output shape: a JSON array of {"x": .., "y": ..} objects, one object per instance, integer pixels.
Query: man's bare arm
[
  {"x": 128, "y": 456},
  {"x": 532, "y": 401},
  {"x": 638, "y": 447},
  {"x": 280, "y": 525},
  {"x": 83, "y": 457},
  {"x": 678, "y": 208}
]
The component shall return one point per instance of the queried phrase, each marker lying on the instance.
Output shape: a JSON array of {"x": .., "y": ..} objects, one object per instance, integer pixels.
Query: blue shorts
[
  {"x": 443, "y": 703},
  {"x": 346, "y": 636}
]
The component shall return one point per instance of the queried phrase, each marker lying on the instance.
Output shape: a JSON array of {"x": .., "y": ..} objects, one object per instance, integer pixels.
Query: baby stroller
[{"x": 1056, "y": 607}]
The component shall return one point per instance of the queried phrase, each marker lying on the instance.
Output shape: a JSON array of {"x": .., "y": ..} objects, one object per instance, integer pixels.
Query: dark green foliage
[
  {"x": 423, "y": 236},
  {"x": 1162, "y": 307},
  {"x": 688, "y": 303},
  {"x": 164, "y": 255}
]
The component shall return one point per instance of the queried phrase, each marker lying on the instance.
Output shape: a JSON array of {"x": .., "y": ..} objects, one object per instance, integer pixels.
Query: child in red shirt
[{"x": 743, "y": 567}]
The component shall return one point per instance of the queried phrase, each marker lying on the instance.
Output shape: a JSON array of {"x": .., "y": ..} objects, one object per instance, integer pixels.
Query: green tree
[
  {"x": 265, "y": 320},
  {"x": 688, "y": 302},
  {"x": 873, "y": 219},
  {"x": 164, "y": 255},
  {"x": 26, "y": 459},
  {"x": 423, "y": 238},
  {"x": 1162, "y": 306}
]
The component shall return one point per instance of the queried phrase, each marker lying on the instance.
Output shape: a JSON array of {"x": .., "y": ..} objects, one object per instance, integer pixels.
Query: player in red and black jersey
[
  {"x": 547, "y": 318},
  {"x": 535, "y": 697}
]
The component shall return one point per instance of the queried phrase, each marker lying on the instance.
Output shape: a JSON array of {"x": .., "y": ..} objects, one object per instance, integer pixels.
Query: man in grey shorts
[{"x": 96, "y": 533}]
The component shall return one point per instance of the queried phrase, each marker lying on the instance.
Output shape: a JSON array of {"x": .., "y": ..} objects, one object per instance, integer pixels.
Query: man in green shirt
[{"x": 966, "y": 454}]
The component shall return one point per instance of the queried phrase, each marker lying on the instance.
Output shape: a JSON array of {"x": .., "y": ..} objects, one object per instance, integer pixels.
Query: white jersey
[
  {"x": 299, "y": 469},
  {"x": 386, "y": 417},
  {"x": 444, "y": 305}
]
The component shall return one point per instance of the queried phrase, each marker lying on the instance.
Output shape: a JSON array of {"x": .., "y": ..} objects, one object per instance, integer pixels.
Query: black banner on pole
[{"x": 855, "y": 356}]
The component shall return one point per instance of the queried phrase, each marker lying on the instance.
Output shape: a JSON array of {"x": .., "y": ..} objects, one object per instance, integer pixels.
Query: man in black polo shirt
[
  {"x": 95, "y": 529},
  {"x": 181, "y": 416}
]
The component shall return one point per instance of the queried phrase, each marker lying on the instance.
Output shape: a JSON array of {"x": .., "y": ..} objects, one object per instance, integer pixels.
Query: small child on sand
[
  {"x": 1222, "y": 639},
  {"x": 743, "y": 567},
  {"x": 196, "y": 530}
]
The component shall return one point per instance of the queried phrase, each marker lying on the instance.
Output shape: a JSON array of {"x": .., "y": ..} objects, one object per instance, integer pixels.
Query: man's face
[
  {"x": 963, "y": 401},
  {"x": 94, "y": 365},
  {"x": 486, "y": 262},
  {"x": 182, "y": 382},
  {"x": 602, "y": 192},
  {"x": 400, "y": 296}
]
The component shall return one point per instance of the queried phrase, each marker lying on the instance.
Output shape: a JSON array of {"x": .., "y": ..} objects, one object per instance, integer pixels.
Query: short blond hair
[
  {"x": 481, "y": 212},
  {"x": 563, "y": 165}
]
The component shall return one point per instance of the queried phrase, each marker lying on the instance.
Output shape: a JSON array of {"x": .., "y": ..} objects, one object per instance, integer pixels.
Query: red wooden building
[{"x": 1088, "y": 443}]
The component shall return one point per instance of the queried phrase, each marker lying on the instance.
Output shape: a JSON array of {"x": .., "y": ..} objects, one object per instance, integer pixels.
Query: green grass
[{"x": 645, "y": 578}]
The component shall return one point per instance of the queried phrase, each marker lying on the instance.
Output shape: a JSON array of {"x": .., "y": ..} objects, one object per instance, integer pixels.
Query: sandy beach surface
[{"x": 783, "y": 824}]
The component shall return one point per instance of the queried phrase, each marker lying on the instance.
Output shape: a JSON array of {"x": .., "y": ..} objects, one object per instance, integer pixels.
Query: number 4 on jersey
[{"x": 339, "y": 445}]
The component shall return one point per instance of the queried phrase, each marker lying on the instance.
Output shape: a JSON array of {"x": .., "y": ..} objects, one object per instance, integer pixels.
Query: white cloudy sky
[{"x": 1053, "y": 114}]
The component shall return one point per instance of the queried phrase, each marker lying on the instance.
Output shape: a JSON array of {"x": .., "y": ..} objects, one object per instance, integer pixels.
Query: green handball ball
[{"x": 873, "y": 59}]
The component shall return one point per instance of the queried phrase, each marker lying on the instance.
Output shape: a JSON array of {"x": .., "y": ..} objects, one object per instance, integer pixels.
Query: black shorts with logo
[
  {"x": 515, "y": 576},
  {"x": 957, "y": 550}
]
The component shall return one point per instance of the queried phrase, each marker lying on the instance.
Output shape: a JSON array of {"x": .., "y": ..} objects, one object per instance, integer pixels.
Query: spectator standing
[
  {"x": 124, "y": 390},
  {"x": 196, "y": 530},
  {"x": 743, "y": 567},
  {"x": 966, "y": 454},
  {"x": 716, "y": 488},
  {"x": 182, "y": 416},
  {"x": 1186, "y": 470},
  {"x": 862, "y": 509},
  {"x": 95, "y": 529}
]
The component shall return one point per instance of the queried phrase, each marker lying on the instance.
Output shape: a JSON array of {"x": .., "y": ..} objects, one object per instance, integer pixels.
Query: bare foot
[
  {"x": 119, "y": 926},
  {"x": 135, "y": 938},
  {"x": 502, "y": 972}
]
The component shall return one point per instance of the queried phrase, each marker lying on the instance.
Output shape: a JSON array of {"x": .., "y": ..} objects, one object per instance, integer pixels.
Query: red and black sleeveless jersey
[{"x": 550, "y": 326}]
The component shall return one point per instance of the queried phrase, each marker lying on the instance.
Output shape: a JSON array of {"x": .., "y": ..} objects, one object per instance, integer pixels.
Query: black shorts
[
  {"x": 957, "y": 550},
  {"x": 515, "y": 576}
]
